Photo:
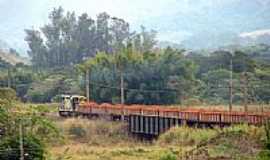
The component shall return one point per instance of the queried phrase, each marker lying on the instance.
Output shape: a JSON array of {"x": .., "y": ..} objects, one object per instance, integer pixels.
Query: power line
[
  {"x": 18, "y": 149},
  {"x": 103, "y": 85},
  {"x": 131, "y": 89},
  {"x": 165, "y": 90}
]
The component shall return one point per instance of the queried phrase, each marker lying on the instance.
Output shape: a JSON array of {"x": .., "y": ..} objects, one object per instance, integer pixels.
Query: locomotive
[{"x": 69, "y": 104}]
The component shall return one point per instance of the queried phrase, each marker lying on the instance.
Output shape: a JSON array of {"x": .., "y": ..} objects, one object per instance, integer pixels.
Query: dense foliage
[
  {"x": 169, "y": 76},
  {"x": 65, "y": 49},
  {"x": 166, "y": 77},
  {"x": 23, "y": 124},
  {"x": 34, "y": 149}
]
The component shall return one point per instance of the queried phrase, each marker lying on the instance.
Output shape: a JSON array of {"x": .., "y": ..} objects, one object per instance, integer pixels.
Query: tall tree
[
  {"x": 149, "y": 39},
  {"x": 85, "y": 37},
  {"x": 103, "y": 36},
  {"x": 68, "y": 40},
  {"x": 69, "y": 51},
  {"x": 38, "y": 51},
  {"x": 120, "y": 34},
  {"x": 54, "y": 37},
  {"x": 144, "y": 41}
]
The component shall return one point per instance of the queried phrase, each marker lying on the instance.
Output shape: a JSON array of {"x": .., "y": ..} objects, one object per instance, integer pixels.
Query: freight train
[{"x": 78, "y": 106}]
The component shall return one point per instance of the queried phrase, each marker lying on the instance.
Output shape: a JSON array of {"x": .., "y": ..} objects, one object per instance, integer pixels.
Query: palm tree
[{"x": 122, "y": 60}]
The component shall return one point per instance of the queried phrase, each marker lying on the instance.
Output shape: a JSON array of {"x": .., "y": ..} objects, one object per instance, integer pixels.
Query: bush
[
  {"x": 264, "y": 155},
  {"x": 186, "y": 136},
  {"x": 33, "y": 148},
  {"x": 96, "y": 131},
  {"x": 7, "y": 94},
  {"x": 77, "y": 130},
  {"x": 168, "y": 156},
  {"x": 57, "y": 99},
  {"x": 267, "y": 131},
  {"x": 39, "y": 96}
]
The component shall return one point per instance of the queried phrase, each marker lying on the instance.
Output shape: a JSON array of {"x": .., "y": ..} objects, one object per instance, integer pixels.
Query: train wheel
[{"x": 60, "y": 114}]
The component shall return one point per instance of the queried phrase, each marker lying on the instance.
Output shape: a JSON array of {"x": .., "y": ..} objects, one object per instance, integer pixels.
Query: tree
[
  {"x": 180, "y": 73},
  {"x": 216, "y": 86},
  {"x": 68, "y": 40},
  {"x": 144, "y": 41},
  {"x": 69, "y": 50},
  {"x": 103, "y": 37},
  {"x": 149, "y": 39},
  {"x": 121, "y": 60},
  {"x": 85, "y": 37},
  {"x": 34, "y": 149},
  {"x": 54, "y": 37},
  {"x": 242, "y": 62},
  {"x": 38, "y": 51},
  {"x": 23, "y": 131},
  {"x": 120, "y": 33}
]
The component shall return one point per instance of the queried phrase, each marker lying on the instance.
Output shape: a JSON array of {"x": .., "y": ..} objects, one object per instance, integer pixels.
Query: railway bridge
[{"x": 154, "y": 120}]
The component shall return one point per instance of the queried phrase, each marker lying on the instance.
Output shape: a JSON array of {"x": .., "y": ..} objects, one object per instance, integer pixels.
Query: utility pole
[
  {"x": 122, "y": 89},
  {"x": 87, "y": 89},
  {"x": 9, "y": 78},
  {"x": 21, "y": 142},
  {"x": 231, "y": 84},
  {"x": 122, "y": 94},
  {"x": 245, "y": 92}
]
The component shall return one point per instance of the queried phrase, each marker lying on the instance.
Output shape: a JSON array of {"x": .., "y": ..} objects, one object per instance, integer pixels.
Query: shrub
[
  {"x": 264, "y": 155},
  {"x": 267, "y": 131},
  {"x": 33, "y": 148},
  {"x": 7, "y": 94},
  {"x": 57, "y": 99},
  {"x": 96, "y": 131},
  {"x": 168, "y": 156},
  {"x": 77, "y": 130},
  {"x": 186, "y": 136}
]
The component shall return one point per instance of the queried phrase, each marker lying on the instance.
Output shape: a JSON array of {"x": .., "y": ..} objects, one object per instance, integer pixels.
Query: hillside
[{"x": 13, "y": 58}]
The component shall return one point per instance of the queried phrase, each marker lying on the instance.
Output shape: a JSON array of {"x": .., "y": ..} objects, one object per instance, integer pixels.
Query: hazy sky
[{"x": 175, "y": 20}]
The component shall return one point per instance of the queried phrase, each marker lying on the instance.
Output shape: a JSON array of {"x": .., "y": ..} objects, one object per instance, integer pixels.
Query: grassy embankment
[{"x": 98, "y": 139}]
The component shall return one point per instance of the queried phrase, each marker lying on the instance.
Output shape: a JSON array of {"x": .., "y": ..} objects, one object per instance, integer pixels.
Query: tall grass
[
  {"x": 186, "y": 136},
  {"x": 101, "y": 139},
  {"x": 183, "y": 136},
  {"x": 96, "y": 132}
]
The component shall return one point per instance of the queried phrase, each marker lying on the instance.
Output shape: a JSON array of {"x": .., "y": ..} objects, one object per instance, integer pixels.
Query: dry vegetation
[
  {"x": 100, "y": 139},
  {"x": 85, "y": 139},
  {"x": 13, "y": 58}
]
